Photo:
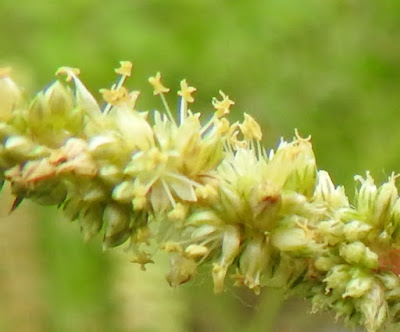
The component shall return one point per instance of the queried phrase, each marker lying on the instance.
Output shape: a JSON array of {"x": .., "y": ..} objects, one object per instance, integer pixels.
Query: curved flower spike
[{"x": 204, "y": 196}]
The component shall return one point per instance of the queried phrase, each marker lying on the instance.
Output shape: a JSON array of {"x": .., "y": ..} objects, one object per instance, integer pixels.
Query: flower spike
[{"x": 206, "y": 194}]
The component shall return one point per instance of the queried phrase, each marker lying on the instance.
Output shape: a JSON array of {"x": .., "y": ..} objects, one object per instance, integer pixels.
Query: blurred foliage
[{"x": 329, "y": 68}]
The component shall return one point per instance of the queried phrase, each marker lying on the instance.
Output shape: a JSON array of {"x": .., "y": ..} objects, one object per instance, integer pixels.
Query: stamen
[
  {"x": 112, "y": 98},
  {"x": 167, "y": 109},
  {"x": 185, "y": 92}
]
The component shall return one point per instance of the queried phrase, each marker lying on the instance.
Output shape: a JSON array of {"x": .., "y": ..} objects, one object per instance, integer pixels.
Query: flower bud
[
  {"x": 188, "y": 139},
  {"x": 93, "y": 191},
  {"x": 19, "y": 147},
  {"x": 326, "y": 192},
  {"x": 374, "y": 307},
  {"x": 182, "y": 270},
  {"x": 253, "y": 261},
  {"x": 365, "y": 196},
  {"x": 53, "y": 117},
  {"x": 331, "y": 231},
  {"x": 84, "y": 99},
  {"x": 6, "y": 130},
  {"x": 290, "y": 239},
  {"x": 124, "y": 192},
  {"x": 325, "y": 263},
  {"x": 391, "y": 282},
  {"x": 59, "y": 100},
  {"x": 384, "y": 202},
  {"x": 346, "y": 309},
  {"x": 358, "y": 253},
  {"x": 116, "y": 220},
  {"x": 10, "y": 96},
  {"x": 105, "y": 147},
  {"x": 356, "y": 230},
  {"x": 230, "y": 249},
  {"x": 74, "y": 158},
  {"x": 209, "y": 156},
  {"x": 72, "y": 208},
  {"x": 91, "y": 221},
  {"x": 293, "y": 166},
  {"x": 293, "y": 235},
  {"x": 396, "y": 216},
  {"x": 359, "y": 284},
  {"x": 110, "y": 174},
  {"x": 36, "y": 180},
  {"x": 133, "y": 127},
  {"x": 337, "y": 278},
  {"x": 232, "y": 202}
]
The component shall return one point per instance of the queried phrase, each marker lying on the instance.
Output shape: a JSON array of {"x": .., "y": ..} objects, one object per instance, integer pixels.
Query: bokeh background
[{"x": 330, "y": 68}]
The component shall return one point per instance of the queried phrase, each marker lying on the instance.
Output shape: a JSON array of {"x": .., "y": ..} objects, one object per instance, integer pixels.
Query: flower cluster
[{"x": 208, "y": 194}]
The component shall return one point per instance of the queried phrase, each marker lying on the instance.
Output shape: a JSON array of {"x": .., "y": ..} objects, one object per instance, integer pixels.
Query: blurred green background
[{"x": 329, "y": 68}]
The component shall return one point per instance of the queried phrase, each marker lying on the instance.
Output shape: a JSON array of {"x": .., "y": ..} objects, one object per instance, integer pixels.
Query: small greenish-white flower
[
  {"x": 253, "y": 262},
  {"x": 10, "y": 95},
  {"x": 230, "y": 249},
  {"x": 386, "y": 197},
  {"x": 358, "y": 253},
  {"x": 356, "y": 230},
  {"x": 366, "y": 194},
  {"x": 326, "y": 192}
]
